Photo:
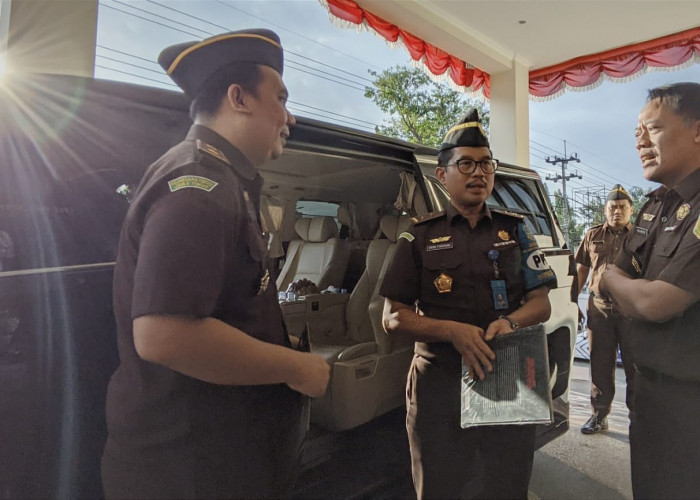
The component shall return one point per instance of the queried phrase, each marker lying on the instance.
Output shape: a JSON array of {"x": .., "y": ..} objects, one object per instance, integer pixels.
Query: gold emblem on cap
[
  {"x": 443, "y": 283},
  {"x": 504, "y": 235},
  {"x": 441, "y": 239},
  {"x": 648, "y": 217},
  {"x": 683, "y": 211}
]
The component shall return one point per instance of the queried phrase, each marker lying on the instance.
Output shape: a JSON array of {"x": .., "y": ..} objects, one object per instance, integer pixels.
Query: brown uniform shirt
[
  {"x": 665, "y": 245},
  {"x": 447, "y": 245},
  {"x": 192, "y": 246},
  {"x": 600, "y": 247}
]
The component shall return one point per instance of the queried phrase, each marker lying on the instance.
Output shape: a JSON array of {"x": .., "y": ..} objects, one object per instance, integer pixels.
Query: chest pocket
[
  {"x": 599, "y": 246},
  {"x": 438, "y": 260},
  {"x": 668, "y": 242}
]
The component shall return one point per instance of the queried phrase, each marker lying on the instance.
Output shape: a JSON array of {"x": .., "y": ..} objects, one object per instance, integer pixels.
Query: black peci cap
[
  {"x": 191, "y": 64},
  {"x": 618, "y": 193},
  {"x": 468, "y": 132}
]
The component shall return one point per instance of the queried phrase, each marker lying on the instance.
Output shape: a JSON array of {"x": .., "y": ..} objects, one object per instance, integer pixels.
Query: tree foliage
[{"x": 420, "y": 110}]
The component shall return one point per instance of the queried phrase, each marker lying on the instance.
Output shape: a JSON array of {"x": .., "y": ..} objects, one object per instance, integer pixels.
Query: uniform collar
[
  {"x": 239, "y": 163},
  {"x": 689, "y": 187},
  {"x": 452, "y": 212},
  {"x": 627, "y": 227}
]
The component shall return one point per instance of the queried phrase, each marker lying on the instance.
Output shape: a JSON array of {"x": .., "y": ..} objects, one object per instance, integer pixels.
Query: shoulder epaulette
[
  {"x": 212, "y": 151},
  {"x": 506, "y": 212},
  {"x": 597, "y": 226},
  {"x": 426, "y": 217}
]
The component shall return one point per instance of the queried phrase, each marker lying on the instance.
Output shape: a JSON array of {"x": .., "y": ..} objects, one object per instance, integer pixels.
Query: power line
[
  {"x": 226, "y": 4},
  {"x": 225, "y": 28},
  {"x": 130, "y": 64},
  {"x": 136, "y": 76},
  {"x": 360, "y": 122}
]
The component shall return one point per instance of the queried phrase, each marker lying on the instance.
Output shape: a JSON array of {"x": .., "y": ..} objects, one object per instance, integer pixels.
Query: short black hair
[
  {"x": 682, "y": 98},
  {"x": 208, "y": 100}
]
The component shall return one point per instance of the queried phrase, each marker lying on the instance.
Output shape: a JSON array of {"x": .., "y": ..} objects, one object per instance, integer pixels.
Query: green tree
[{"x": 420, "y": 110}]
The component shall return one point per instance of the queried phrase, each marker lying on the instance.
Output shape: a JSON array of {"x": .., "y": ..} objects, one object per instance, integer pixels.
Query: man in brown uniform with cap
[
  {"x": 656, "y": 282},
  {"x": 459, "y": 278},
  {"x": 207, "y": 400},
  {"x": 599, "y": 248}
]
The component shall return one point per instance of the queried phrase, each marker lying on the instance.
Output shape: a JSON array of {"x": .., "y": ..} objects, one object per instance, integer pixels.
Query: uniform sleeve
[
  {"x": 683, "y": 268},
  {"x": 583, "y": 255},
  {"x": 627, "y": 259},
  {"x": 536, "y": 270},
  {"x": 180, "y": 264},
  {"x": 402, "y": 279}
]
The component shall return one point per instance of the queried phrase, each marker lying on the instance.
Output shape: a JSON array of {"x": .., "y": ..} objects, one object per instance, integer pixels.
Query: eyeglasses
[{"x": 468, "y": 167}]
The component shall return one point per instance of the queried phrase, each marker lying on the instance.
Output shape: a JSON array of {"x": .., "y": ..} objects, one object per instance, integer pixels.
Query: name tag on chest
[{"x": 439, "y": 246}]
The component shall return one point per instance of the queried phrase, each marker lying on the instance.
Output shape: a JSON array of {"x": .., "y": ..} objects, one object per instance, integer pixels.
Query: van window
[
  {"x": 310, "y": 208},
  {"x": 522, "y": 196},
  {"x": 517, "y": 195}
]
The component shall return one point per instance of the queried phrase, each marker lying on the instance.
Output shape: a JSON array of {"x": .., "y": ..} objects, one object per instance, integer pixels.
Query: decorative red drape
[
  {"x": 664, "y": 52},
  {"x": 667, "y": 51},
  {"x": 436, "y": 60}
]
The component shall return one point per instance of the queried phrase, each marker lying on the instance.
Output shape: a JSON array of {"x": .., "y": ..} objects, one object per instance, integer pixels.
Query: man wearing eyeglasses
[{"x": 459, "y": 278}]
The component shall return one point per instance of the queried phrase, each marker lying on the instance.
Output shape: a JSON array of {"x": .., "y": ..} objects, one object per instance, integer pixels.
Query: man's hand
[
  {"x": 501, "y": 326},
  {"x": 611, "y": 272},
  {"x": 469, "y": 342},
  {"x": 312, "y": 375}
]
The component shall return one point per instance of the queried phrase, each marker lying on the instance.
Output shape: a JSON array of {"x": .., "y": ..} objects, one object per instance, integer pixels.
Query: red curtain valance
[
  {"x": 436, "y": 60},
  {"x": 545, "y": 83},
  {"x": 586, "y": 71}
]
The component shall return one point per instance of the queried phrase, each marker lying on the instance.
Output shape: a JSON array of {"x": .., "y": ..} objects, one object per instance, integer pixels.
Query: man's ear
[
  {"x": 238, "y": 99},
  {"x": 697, "y": 131},
  {"x": 440, "y": 174}
]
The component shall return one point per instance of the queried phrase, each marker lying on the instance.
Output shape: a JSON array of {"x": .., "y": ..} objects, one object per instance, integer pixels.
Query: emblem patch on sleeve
[
  {"x": 192, "y": 181},
  {"x": 407, "y": 236}
]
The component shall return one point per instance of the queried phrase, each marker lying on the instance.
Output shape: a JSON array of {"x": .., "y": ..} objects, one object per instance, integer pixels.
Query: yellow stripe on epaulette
[
  {"x": 506, "y": 212},
  {"x": 426, "y": 217},
  {"x": 212, "y": 151}
]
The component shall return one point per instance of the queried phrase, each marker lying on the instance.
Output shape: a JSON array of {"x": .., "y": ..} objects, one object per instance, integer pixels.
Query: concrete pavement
[{"x": 577, "y": 466}]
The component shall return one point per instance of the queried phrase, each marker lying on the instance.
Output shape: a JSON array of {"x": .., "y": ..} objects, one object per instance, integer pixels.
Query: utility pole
[{"x": 564, "y": 177}]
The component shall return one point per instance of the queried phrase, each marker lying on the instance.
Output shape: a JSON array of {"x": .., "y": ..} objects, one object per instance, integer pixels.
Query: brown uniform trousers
[{"x": 605, "y": 334}]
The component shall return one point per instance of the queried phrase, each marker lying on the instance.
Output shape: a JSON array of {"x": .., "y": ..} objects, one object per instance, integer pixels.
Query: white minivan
[{"x": 71, "y": 149}]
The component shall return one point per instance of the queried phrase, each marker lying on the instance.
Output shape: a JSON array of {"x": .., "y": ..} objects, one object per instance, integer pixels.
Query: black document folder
[{"x": 517, "y": 390}]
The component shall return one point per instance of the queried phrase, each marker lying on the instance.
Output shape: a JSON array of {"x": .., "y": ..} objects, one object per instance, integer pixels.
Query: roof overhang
[{"x": 565, "y": 43}]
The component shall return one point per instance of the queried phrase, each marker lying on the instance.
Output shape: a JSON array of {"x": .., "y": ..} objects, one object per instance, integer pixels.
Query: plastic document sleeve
[{"x": 517, "y": 391}]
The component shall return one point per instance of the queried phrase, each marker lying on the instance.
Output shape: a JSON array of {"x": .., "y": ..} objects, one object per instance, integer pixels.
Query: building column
[
  {"x": 48, "y": 36},
  {"x": 510, "y": 115}
]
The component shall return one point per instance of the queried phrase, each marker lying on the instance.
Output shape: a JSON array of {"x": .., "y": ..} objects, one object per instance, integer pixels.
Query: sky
[{"x": 327, "y": 68}]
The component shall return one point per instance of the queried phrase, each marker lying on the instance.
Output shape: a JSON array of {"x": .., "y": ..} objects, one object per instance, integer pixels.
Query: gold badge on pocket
[{"x": 443, "y": 283}]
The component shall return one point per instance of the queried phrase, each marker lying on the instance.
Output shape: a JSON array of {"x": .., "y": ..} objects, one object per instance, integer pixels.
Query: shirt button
[{"x": 664, "y": 218}]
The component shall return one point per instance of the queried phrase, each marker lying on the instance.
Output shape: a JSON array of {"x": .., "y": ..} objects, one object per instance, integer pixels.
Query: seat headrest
[
  {"x": 393, "y": 225},
  {"x": 321, "y": 229},
  {"x": 301, "y": 226}
]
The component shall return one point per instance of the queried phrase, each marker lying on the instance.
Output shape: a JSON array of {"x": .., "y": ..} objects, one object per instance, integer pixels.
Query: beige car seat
[
  {"x": 369, "y": 368},
  {"x": 318, "y": 255}
]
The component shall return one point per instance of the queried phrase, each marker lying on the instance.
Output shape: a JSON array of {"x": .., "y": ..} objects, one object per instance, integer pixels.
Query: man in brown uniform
[
  {"x": 599, "y": 248},
  {"x": 473, "y": 273},
  {"x": 207, "y": 400},
  {"x": 656, "y": 282}
]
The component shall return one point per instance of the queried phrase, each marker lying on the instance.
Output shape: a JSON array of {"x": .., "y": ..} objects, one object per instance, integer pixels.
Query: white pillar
[
  {"x": 48, "y": 36},
  {"x": 510, "y": 115}
]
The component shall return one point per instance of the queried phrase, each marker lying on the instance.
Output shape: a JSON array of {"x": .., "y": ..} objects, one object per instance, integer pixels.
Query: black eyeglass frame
[{"x": 474, "y": 163}]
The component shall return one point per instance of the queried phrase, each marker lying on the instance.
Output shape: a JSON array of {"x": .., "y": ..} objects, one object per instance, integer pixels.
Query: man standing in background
[{"x": 599, "y": 248}]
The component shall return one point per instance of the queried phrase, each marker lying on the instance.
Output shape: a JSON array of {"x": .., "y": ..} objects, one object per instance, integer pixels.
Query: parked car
[{"x": 71, "y": 150}]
